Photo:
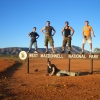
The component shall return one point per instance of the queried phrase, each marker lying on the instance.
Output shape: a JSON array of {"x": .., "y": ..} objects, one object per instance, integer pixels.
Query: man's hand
[
  {"x": 47, "y": 74},
  {"x": 53, "y": 34},
  {"x": 69, "y": 35},
  {"x": 50, "y": 75},
  {"x": 94, "y": 35},
  {"x": 63, "y": 36}
]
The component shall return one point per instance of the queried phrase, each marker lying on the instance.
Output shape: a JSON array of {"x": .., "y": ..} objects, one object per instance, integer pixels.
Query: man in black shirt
[
  {"x": 53, "y": 70},
  {"x": 33, "y": 35},
  {"x": 66, "y": 33}
]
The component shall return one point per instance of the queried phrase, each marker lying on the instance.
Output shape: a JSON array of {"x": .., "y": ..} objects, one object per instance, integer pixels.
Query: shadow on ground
[
  {"x": 84, "y": 73},
  {"x": 11, "y": 70},
  {"x": 3, "y": 82}
]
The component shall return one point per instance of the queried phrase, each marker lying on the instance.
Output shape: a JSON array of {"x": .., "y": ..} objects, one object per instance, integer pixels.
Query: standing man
[
  {"x": 48, "y": 36},
  {"x": 33, "y": 35},
  {"x": 66, "y": 34},
  {"x": 86, "y": 32}
]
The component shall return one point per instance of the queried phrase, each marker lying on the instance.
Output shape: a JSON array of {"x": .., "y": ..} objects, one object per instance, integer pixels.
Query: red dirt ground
[{"x": 19, "y": 85}]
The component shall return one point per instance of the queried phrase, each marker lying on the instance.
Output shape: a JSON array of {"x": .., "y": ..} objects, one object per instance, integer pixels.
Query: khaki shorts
[
  {"x": 89, "y": 39},
  {"x": 49, "y": 39},
  {"x": 65, "y": 41}
]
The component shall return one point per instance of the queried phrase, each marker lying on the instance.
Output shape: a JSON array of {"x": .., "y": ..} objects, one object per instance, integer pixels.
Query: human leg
[
  {"x": 64, "y": 45},
  {"x": 83, "y": 43},
  {"x": 90, "y": 43},
  {"x": 30, "y": 46},
  {"x": 46, "y": 43},
  {"x": 66, "y": 73},
  {"x": 51, "y": 43},
  {"x": 35, "y": 47},
  {"x": 69, "y": 45}
]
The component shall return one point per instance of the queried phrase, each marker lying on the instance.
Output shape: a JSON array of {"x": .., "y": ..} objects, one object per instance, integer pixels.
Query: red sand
[{"x": 37, "y": 86}]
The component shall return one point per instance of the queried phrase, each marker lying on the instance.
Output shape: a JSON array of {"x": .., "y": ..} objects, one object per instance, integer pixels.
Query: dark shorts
[{"x": 49, "y": 39}]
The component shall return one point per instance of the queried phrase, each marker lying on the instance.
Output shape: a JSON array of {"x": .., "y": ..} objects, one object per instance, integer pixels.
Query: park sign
[
  {"x": 70, "y": 56},
  {"x": 23, "y": 55}
]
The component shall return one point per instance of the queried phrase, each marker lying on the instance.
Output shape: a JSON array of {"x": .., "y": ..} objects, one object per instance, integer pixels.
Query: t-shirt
[
  {"x": 34, "y": 35},
  {"x": 51, "y": 69},
  {"x": 87, "y": 30}
]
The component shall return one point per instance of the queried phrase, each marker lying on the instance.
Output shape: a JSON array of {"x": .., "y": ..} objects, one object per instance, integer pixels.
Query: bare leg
[
  {"x": 63, "y": 48},
  {"x": 52, "y": 48},
  {"x": 46, "y": 48},
  {"x": 82, "y": 47},
  {"x": 90, "y": 47}
]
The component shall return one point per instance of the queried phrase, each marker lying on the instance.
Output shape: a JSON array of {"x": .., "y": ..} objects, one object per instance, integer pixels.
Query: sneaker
[
  {"x": 28, "y": 51},
  {"x": 35, "y": 51},
  {"x": 62, "y": 52},
  {"x": 91, "y": 53},
  {"x": 69, "y": 52},
  {"x": 46, "y": 52}
]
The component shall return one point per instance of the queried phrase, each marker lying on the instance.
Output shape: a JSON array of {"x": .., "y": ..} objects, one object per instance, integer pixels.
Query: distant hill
[{"x": 16, "y": 50}]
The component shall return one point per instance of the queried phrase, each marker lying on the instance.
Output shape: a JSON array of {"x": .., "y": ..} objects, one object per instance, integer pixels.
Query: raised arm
[
  {"x": 71, "y": 30},
  {"x": 62, "y": 33},
  {"x": 43, "y": 30},
  {"x": 54, "y": 31},
  {"x": 37, "y": 36},
  {"x": 29, "y": 35}
]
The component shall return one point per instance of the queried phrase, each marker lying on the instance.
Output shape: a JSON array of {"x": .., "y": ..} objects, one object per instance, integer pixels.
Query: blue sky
[{"x": 18, "y": 17}]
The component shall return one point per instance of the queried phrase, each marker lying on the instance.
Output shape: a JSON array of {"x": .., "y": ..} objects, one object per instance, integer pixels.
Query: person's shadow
[{"x": 84, "y": 73}]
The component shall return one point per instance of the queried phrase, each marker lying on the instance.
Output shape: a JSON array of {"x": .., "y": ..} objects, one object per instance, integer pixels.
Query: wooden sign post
[{"x": 63, "y": 56}]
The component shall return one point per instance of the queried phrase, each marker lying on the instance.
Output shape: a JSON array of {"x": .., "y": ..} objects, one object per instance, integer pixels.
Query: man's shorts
[
  {"x": 89, "y": 39},
  {"x": 67, "y": 40},
  {"x": 49, "y": 39}
]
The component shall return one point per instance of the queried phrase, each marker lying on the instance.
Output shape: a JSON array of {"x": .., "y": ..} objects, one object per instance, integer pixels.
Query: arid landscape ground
[{"x": 16, "y": 84}]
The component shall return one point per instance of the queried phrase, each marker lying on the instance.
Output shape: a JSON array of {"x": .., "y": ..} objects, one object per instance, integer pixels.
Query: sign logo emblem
[{"x": 22, "y": 55}]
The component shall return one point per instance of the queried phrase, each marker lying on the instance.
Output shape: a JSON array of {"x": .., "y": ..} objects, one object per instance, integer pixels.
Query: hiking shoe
[
  {"x": 46, "y": 52},
  {"x": 69, "y": 52},
  {"x": 28, "y": 51},
  {"x": 53, "y": 52},
  {"x": 82, "y": 52},
  {"x": 77, "y": 73},
  {"x": 62, "y": 52},
  {"x": 35, "y": 51},
  {"x": 91, "y": 53}
]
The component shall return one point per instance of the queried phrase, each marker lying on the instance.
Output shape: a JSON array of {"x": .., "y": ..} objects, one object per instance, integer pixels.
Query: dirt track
[{"x": 19, "y": 85}]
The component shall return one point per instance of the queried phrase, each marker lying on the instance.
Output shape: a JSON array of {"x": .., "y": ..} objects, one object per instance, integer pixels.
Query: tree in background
[{"x": 97, "y": 50}]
